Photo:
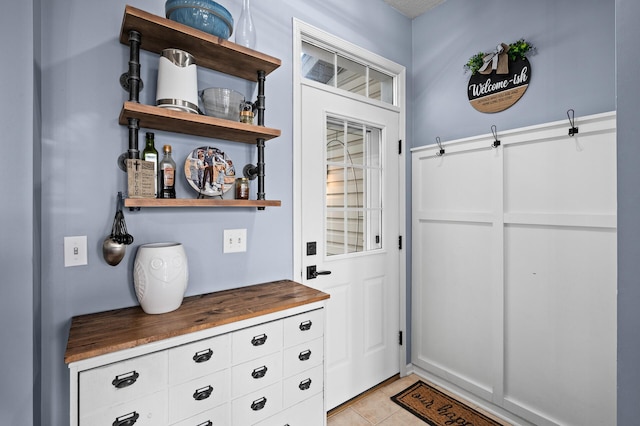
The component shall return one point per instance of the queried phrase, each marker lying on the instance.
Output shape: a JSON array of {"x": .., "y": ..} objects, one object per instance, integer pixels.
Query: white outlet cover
[
  {"x": 75, "y": 251},
  {"x": 234, "y": 240}
]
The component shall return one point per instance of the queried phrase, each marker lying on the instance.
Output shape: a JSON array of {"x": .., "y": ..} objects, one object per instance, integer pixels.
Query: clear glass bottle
[
  {"x": 245, "y": 30},
  {"x": 150, "y": 153},
  {"x": 167, "y": 169}
]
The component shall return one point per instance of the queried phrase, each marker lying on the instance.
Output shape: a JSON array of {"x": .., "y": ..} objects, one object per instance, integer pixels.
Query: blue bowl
[{"x": 205, "y": 15}]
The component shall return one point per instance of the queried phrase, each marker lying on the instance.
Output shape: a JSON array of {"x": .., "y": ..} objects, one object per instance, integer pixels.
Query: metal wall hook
[
  {"x": 572, "y": 121},
  {"x": 441, "y": 152},
  {"x": 496, "y": 142}
]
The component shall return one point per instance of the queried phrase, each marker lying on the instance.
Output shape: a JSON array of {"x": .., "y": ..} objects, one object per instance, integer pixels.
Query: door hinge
[
  {"x": 400, "y": 242},
  {"x": 400, "y": 337},
  {"x": 400, "y": 147}
]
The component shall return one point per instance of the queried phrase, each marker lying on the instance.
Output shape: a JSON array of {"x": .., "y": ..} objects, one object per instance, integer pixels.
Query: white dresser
[{"x": 248, "y": 356}]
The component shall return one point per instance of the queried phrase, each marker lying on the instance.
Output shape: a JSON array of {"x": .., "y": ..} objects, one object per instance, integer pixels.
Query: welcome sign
[{"x": 499, "y": 78}]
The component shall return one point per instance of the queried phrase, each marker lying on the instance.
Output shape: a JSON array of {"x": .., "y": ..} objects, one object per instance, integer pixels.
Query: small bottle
[
  {"x": 167, "y": 169},
  {"x": 150, "y": 153},
  {"x": 242, "y": 189}
]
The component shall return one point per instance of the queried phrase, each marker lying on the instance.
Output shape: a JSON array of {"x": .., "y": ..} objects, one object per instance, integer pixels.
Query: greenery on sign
[{"x": 517, "y": 50}]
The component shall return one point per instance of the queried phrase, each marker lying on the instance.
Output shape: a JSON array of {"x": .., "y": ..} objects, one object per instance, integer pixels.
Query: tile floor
[{"x": 376, "y": 408}]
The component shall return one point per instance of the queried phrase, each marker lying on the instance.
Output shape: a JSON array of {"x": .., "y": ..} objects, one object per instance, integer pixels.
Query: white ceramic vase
[{"x": 160, "y": 276}]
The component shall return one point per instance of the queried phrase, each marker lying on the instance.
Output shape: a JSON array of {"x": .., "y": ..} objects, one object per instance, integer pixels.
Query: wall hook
[
  {"x": 496, "y": 142},
  {"x": 441, "y": 152},
  {"x": 572, "y": 121}
]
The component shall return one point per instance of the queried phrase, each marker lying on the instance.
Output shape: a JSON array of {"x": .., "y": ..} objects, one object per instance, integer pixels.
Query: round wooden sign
[{"x": 496, "y": 92}]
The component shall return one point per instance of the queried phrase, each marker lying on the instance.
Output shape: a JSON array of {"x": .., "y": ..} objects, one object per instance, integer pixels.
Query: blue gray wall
[
  {"x": 628, "y": 91},
  {"x": 19, "y": 228},
  {"x": 81, "y": 99}
]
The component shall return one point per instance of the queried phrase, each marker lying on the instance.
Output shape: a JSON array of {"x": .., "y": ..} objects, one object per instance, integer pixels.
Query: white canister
[
  {"x": 160, "y": 276},
  {"x": 177, "y": 81}
]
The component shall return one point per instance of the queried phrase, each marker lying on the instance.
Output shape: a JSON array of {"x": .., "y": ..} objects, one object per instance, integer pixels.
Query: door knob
[{"x": 313, "y": 273}]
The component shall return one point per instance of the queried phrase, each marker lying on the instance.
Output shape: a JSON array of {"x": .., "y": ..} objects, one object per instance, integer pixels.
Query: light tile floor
[{"x": 376, "y": 408}]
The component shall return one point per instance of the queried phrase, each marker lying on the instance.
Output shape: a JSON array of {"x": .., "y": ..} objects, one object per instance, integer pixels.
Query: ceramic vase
[{"x": 160, "y": 276}]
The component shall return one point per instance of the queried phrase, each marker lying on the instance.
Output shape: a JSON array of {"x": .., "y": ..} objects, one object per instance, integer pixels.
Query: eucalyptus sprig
[{"x": 475, "y": 63}]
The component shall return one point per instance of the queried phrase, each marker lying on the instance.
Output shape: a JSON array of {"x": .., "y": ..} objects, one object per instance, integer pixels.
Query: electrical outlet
[
  {"x": 75, "y": 251},
  {"x": 235, "y": 240}
]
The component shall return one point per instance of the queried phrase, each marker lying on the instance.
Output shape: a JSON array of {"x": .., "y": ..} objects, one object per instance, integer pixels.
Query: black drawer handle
[
  {"x": 126, "y": 379},
  {"x": 305, "y": 326},
  {"x": 259, "y": 340},
  {"x": 305, "y": 384},
  {"x": 258, "y": 404},
  {"x": 304, "y": 355},
  {"x": 202, "y": 393},
  {"x": 126, "y": 420},
  {"x": 207, "y": 423},
  {"x": 203, "y": 356},
  {"x": 259, "y": 372}
]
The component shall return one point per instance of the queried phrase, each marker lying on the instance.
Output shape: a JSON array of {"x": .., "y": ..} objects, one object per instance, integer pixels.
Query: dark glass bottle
[
  {"x": 150, "y": 153},
  {"x": 167, "y": 170}
]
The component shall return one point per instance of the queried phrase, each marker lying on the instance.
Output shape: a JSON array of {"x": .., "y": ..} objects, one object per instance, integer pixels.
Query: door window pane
[
  {"x": 353, "y": 187},
  {"x": 317, "y": 64}
]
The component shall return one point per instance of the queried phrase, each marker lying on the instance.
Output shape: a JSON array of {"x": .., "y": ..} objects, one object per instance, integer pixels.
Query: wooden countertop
[{"x": 105, "y": 332}]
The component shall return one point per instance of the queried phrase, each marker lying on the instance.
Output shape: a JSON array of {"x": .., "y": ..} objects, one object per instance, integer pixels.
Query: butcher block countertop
[{"x": 105, "y": 332}]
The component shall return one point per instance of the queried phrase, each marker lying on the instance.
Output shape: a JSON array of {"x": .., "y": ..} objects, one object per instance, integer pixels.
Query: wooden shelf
[
  {"x": 198, "y": 202},
  {"x": 153, "y": 117},
  {"x": 211, "y": 52}
]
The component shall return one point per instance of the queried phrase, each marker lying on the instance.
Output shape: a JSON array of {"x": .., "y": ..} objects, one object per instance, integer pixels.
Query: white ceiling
[{"x": 413, "y": 8}]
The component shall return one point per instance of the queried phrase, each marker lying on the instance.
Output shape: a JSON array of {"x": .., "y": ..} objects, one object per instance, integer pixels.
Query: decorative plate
[{"x": 209, "y": 171}]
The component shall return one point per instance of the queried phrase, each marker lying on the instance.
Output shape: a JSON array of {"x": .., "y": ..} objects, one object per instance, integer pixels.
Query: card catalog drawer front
[
  {"x": 150, "y": 410},
  {"x": 303, "y": 356},
  {"x": 122, "y": 381},
  {"x": 256, "y": 374},
  {"x": 199, "y": 358},
  {"x": 256, "y": 406},
  {"x": 219, "y": 416},
  {"x": 303, "y": 327},
  {"x": 254, "y": 342},
  {"x": 309, "y": 412},
  {"x": 198, "y": 395},
  {"x": 303, "y": 385}
]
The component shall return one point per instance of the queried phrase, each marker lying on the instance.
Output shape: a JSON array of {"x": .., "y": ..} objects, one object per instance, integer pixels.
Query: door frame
[{"x": 301, "y": 29}]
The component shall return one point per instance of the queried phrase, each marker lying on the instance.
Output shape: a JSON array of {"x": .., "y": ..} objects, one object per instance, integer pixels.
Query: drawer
[
  {"x": 199, "y": 358},
  {"x": 309, "y": 412},
  {"x": 302, "y": 357},
  {"x": 257, "y": 341},
  {"x": 150, "y": 410},
  {"x": 219, "y": 416},
  {"x": 198, "y": 395},
  {"x": 256, "y": 406},
  {"x": 303, "y": 385},
  {"x": 123, "y": 381},
  {"x": 256, "y": 374},
  {"x": 303, "y": 327}
]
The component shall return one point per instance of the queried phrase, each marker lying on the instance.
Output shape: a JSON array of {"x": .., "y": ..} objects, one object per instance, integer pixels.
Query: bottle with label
[
  {"x": 150, "y": 153},
  {"x": 167, "y": 171}
]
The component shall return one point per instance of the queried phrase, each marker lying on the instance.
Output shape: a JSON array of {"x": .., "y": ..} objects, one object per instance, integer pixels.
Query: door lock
[{"x": 313, "y": 273}]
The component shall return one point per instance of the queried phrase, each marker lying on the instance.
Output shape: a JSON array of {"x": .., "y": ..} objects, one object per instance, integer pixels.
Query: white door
[{"x": 350, "y": 204}]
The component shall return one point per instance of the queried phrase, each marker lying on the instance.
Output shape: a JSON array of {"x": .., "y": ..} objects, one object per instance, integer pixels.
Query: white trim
[{"x": 303, "y": 30}]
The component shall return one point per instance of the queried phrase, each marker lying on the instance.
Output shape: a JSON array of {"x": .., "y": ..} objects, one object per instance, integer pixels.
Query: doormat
[{"x": 439, "y": 409}]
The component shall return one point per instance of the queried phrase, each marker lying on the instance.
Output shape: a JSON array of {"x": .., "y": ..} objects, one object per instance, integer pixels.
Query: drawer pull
[
  {"x": 203, "y": 356},
  {"x": 304, "y": 355},
  {"x": 259, "y": 340},
  {"x": 207, "y": 423},
  {"x": 259, "y": 372},
  {"x": 202, "y": 393},
  {"x": 305, "y": 384},
  {"x": 305, "y": 325},
  {"x": 126, "y": 379},
  {"x": 258, "y": 404},
  {"x": 126, "y": 420}
]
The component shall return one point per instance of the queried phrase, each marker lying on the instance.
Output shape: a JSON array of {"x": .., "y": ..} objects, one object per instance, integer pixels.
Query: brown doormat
[{"x": 439, "y": 409}]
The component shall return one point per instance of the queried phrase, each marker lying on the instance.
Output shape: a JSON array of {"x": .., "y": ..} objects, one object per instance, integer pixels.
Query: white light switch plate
[
  {"x": 234, "y": 240},
  {"x": 75, "y": 251}
]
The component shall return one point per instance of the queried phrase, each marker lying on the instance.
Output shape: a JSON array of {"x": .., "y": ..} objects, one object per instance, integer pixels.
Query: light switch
[{"x": 75, "y": 251}]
